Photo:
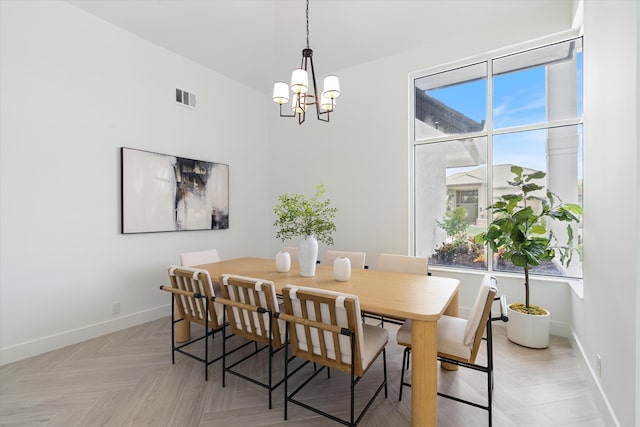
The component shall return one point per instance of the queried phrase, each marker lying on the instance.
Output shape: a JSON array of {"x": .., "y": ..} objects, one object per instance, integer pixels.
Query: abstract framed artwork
[{"x": 161, "y": 192}]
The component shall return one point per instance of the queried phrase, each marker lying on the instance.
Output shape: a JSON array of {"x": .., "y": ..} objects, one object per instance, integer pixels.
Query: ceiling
[{"x": 257, "y": 42}]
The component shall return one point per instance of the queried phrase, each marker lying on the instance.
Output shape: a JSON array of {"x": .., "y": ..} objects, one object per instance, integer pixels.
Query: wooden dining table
[{"x": 418, "y": 297}]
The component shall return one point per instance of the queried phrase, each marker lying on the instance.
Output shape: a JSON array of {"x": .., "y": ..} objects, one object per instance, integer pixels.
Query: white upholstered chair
[
  {"x": 190, "y": 259},
  {"x": 459, "y": 340},
  {"x": 403, "y": 263},
  {"x": 324, "y": 327},
  {"x": 356, "y": 258},
  {"x": 400, "y": 264}
]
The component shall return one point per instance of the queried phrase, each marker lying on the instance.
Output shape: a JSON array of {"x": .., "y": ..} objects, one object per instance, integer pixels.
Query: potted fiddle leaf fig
[
  {"x": 308, "y": 218},
  {"x": 520, "y": 233}
]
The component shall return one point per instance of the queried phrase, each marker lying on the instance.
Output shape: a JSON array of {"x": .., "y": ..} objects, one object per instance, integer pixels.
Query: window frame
[{"x": 489, "y": 132}]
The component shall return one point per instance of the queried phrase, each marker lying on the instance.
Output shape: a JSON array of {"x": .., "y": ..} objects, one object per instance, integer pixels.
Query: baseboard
[
  {"x": 39, "y": 346},
  {"x": 594, "y": 384}
]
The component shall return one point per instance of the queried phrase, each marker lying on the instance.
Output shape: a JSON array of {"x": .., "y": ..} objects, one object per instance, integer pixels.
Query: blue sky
[{"x": 519, "y": 99}]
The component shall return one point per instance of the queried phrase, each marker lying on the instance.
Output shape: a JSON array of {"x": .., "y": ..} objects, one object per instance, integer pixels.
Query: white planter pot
[
  {"x": 307, "y": 256},
  {"x": 283, "y": 262},
  {"x": 342, "y": 269},
  {"x": 528, "y": 330}
]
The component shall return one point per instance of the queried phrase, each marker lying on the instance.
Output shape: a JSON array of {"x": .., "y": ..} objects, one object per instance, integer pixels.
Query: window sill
[{"x": 576, "y": 285}]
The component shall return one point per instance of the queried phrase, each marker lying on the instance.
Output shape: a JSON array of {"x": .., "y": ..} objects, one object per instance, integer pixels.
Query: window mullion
[{"x": 489, "y": 194}]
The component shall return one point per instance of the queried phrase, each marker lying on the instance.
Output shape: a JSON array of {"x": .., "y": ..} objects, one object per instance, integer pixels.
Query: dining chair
[
  {"x": 459, "y": 340},
  {"x": 403, "y": 264},
  {"x": 191, "y": 259},
  {"x": 324, "y": 327},
  {"x": 356, "y": 258},
  {"x": 399, "y": 264},
  {"x": 250, "y": 308},
  {"x": 191, "y": 292}
]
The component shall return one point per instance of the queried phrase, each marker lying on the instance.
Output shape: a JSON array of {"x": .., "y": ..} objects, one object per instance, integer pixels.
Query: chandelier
[{"x": 302, "y": 96}]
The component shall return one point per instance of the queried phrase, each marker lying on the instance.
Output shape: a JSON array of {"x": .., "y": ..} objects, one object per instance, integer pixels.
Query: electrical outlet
[
  {"x": 115, "y": 308},
  {"x": 598, "y": 365}
]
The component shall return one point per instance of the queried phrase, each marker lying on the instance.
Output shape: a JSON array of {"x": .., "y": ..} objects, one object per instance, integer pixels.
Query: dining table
[{"x": 421, "y": 298}]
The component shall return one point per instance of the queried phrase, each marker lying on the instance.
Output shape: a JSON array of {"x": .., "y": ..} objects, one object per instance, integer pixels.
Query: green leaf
[
  {"x": 519, "y": 260},
  {"x": 573, "y": 208},
  {"x": 528, "y": 188},
  {"x": 538, "y": 229},
  {"x": 509, "y": 197},
  {"x": 523, "y": 215},
  {"x": 536, "y": 175},
  {"x": 517, "y": 236}
]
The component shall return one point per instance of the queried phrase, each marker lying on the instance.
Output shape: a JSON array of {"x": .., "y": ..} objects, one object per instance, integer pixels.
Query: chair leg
[
  {"x": 489, "y": 333},
  {"x": 489, "y": 387},
  {"x": 206, "y": 341},
  {"x": 270, "y": 360},
  {"x": 353, "y": 380},
  {"x": 224, "y": 347},
  {"x": 405, "y": 365},
  {"x": 173, "y": 330},
  {"x": 384, "y": 370},
  {"x": 286, "y": 366}
]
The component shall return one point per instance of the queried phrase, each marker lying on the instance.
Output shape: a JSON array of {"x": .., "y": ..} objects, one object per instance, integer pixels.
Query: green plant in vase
[
  {"x": 308, "y": 218},
  {"x": 521, "y": 233}
]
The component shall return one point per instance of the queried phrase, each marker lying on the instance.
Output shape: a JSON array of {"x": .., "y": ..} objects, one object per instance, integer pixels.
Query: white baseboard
[
  {"x": 39, "y": 346},
  {"x": 594, "y": 384}
]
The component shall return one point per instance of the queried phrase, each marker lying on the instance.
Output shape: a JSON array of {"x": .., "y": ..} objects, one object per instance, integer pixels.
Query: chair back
[
  {"x": 403, "y": 263},
  {"x": 189, "y": 259},
  {"x": 293, "y": 252},
  {"x": 479, "y": 315},
  {"x": 245, "y": 319},
  {"x": 356, "y": 258},
  {"x": 190, "y": 283},
  {"x": 315, "y": 334}
]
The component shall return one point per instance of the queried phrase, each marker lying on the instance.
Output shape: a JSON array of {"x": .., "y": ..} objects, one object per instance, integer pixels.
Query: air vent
[{"x": 188, "y": 99}]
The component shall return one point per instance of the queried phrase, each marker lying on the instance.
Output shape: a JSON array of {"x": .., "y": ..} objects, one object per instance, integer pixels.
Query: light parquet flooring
[{"x": 127, "y": 379}]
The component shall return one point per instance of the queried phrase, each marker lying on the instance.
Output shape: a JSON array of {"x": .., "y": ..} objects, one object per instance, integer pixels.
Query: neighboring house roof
[
  {"x": 442, "y": 117},
  {"x": 478, "y": 176}
]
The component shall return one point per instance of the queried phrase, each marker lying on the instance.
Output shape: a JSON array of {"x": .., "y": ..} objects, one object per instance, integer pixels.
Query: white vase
[
  {"x": 342, "y": 269},
  {"x": 307, "y": 256},
  {"x": 528, "y": 330},
  {"x": 283, "y": 262}
]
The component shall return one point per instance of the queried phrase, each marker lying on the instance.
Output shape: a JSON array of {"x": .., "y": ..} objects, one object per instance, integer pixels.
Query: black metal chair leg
[
  {"x": 404, "y": 365},
  {"x": 384, "y": 369}
]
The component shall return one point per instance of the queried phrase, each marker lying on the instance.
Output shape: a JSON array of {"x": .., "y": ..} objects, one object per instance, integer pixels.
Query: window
[{"x": 471, "y": 124}]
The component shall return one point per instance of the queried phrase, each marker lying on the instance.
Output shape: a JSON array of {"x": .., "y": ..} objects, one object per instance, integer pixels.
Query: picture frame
[{"x": 161, "y": 192}]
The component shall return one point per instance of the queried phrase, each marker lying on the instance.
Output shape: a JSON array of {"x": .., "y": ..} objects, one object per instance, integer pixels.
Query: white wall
[
  {"x": 75, "y": 89},
  {"x": 610, "y": 320}
]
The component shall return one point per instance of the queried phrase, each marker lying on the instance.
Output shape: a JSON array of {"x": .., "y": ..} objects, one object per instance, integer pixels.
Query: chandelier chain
[{"x": 307, "y": 24}]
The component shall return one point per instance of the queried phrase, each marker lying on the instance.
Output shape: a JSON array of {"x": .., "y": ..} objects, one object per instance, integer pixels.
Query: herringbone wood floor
[{"x": 127, "y": 379}]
